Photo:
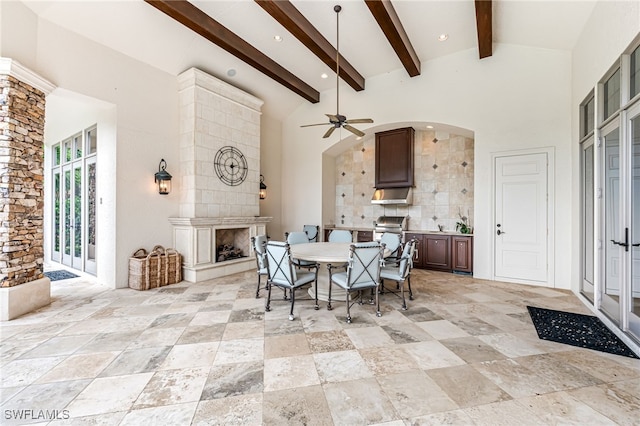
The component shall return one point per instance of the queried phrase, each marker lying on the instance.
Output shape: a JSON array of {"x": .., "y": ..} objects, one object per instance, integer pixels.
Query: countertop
[{"x": 408, "y": 231}]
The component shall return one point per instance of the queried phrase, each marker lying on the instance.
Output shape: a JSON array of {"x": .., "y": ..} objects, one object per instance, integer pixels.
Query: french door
[
  {"x": 74, "y": 207},
  {"x": 620, "y": 292}
]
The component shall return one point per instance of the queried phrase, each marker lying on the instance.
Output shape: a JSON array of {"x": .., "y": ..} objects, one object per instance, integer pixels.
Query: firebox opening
[{"x": 232, "y": 244}]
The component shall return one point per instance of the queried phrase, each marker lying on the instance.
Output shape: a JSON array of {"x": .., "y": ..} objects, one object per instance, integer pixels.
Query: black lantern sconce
[
  {"x": 163, "y": 178},
  {"x": 263, "y": 188}
]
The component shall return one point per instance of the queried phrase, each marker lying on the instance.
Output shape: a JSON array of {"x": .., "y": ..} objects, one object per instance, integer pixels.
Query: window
[
  {"x": 634, "y": 73},
  {"x": 587, "y": 116},
  {"x": 611, "y": 94}
]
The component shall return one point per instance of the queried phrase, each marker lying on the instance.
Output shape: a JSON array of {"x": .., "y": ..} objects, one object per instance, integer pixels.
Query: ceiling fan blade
[
  {"x": 332, "y": 117},
  {"x": 353, "y": 130},
  {"x": 331, "y": 129},
  {"x": 359, "y": 120},
  {"x": 317, "y": 124}
]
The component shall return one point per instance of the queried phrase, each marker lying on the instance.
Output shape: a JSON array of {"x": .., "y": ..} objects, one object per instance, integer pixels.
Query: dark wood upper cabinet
[{"x": 394, "y": 158}]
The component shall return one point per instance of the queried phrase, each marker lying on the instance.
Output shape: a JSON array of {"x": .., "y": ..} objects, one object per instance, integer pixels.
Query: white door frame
[{"x": 550, "y": 152}]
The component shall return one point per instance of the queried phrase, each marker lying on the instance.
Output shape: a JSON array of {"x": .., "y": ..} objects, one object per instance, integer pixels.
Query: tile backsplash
[{"x": 443, "y": 176}]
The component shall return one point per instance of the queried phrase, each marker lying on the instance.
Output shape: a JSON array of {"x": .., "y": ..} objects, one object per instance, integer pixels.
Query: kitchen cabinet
[
  {"x": 358, "y": 235},
  {"x": 364, "y": 236},
  {"x": 437, "y": 252},
  {"x": 394, "y": 158},
  {"x": 462, "y": 254},
  {"x": 442, "y": 252}
]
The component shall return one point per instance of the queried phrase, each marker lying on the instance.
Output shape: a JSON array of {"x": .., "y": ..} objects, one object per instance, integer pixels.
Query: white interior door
[{"x": 522, "y": 218}]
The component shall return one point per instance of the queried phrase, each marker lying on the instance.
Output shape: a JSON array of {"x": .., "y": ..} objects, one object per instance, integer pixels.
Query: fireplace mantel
[
  {"x": 196, "y": 239},
  {"x": 219, "y": 221}
]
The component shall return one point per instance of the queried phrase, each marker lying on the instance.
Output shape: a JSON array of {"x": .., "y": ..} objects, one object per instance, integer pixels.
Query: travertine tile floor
[{"x": 464, "y": 353}]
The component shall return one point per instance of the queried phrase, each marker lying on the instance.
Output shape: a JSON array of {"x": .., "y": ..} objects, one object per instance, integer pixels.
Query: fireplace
[{"x": 232, "y": 243}]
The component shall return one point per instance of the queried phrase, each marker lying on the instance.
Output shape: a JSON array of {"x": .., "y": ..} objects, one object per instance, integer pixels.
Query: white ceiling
[{"x": 139, "y": 30}]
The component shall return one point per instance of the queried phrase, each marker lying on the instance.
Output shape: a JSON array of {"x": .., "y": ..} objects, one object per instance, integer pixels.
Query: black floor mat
[
  {"x": 59, "y": 275},
  {"x": 584, "y": 331}
]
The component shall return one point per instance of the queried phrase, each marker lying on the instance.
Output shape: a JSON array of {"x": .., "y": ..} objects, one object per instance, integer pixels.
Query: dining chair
[
  {"x": 340, "y": 236},
  {"x": 283, "y": 274},
  {"x": 300, "y": 238},
  {"x": 312, "y": 232},
  {"x": 394, "y": 245},
  {"x": 363, "y": 272},
  {"x": 259, "y": 248},
  {"x": 400, "y": 272}
]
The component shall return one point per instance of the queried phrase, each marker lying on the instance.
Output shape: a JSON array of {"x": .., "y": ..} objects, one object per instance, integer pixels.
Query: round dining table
[{"x": 324, "y": 253}]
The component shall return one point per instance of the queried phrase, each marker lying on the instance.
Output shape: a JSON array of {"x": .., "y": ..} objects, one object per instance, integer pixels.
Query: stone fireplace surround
[{"x": 213, "y": 115}]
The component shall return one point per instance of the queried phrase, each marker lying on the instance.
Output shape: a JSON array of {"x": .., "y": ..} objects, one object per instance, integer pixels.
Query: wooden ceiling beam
[
  {"x": 198, "y": 21},
  {"x": 389, "y": 22},
  {"x": 485, "y": 28},
  {"x": 293, "y": 21}
]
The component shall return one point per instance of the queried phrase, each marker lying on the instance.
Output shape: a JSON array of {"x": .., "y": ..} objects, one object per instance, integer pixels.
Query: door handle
[
  {"x": 499, "y": 232},
  {"x": 626, "y": 241}
]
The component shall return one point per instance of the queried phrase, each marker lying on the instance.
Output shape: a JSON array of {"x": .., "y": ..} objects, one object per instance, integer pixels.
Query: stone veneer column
[{"x": 22, "y": 112}]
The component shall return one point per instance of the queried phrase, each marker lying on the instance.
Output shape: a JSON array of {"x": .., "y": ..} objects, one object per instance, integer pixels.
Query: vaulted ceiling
[{"x": 234, "y": 40}]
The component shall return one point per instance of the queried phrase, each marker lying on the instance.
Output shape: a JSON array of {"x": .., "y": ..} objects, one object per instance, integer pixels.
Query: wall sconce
[
  {"x": 163, "y": 178},
  {"x": 263, "y": 188}
]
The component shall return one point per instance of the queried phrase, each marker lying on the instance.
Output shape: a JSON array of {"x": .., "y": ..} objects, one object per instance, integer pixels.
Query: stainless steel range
[{"x": 395, "y": 224}]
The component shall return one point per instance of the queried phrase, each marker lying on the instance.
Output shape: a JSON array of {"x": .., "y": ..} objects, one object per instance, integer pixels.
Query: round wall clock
[{"x": 231, "y": 165}]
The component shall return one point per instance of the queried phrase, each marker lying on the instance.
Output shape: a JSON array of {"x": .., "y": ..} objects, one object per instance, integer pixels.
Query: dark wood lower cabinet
[
  {"x": 358, "y": 236},
  {"x": 451, "y": 253},
  {"x": 364, "y": 236},
  {"x": 462, "y": 254},
  {"x": 437, "y": 252}
]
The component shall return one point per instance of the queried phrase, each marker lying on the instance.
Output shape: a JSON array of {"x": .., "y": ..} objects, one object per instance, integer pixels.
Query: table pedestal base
[{"x": 337, "y": 294}]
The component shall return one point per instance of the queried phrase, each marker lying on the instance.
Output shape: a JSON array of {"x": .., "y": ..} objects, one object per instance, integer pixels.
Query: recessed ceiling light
[
  {"x": 277, "y": 38},
  {"x": 231, "y": 72},
  {"x": 429, "y": 127},
  {"x": 324, "y": 75},
  {"x": 443, "y": 37}
]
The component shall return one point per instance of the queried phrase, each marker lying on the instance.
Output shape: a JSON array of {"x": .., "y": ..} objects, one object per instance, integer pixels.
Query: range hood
[{"x": 402, "y": 196}]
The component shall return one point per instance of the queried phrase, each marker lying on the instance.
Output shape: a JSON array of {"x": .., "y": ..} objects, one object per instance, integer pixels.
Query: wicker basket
[
  {"x": 145, "y": 270},
  {"x": 171, "y": 265}
]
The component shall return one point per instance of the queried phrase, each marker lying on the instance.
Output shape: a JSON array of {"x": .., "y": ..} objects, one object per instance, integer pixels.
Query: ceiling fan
[{"x": 338, "y": 120}]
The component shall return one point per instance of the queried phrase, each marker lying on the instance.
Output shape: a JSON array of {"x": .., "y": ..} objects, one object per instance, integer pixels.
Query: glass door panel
[
  {"x": 613, "y": 252},
  {"x": 57, "y": 216},
  {"x": 90, "y": 221},
  {"x": 67, "y": 212},
  {"x": 634, "y": 302},
  {"x": 77, "y": 217},
  {"x": 588, "y": 223}
]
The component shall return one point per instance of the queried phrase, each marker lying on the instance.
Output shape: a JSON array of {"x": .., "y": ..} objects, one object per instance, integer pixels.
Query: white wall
[
  {"x": 146, "y": 102},
  {"x": 516, "y": 99},
  {"x": 271, "y": 169},
  {"x": 609, "y": 31}
]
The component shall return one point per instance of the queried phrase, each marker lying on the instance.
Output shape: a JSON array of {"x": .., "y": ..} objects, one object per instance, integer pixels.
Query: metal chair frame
[
  {"x": 283, "y": 274},
  {"x": 261, "y": 260},
  {"x": 358, "y": 277},
  {"x": 400, "y": 273},
  {"x": 311, "y": 228}
]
